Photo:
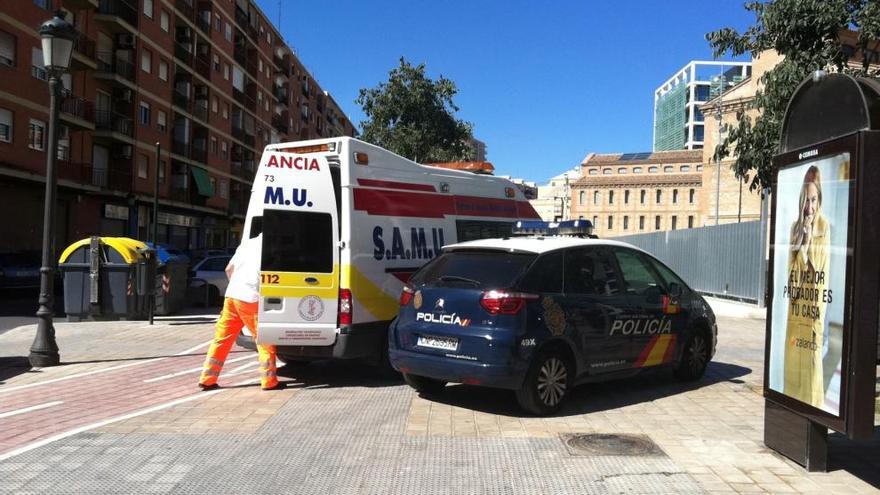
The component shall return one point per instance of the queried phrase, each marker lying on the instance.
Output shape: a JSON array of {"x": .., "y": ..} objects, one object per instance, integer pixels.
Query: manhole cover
[{"x": 610, "y": 444}]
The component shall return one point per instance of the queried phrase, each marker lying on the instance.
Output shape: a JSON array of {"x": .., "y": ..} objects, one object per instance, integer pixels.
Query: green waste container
[{"x": 100, "y": 279}]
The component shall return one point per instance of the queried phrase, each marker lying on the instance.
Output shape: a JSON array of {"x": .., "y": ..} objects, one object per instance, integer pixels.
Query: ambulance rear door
[{"x": 299, "y": 273}]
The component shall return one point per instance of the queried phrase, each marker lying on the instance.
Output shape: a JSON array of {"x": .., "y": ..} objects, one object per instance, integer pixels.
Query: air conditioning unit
[
  {"x": 125, "y": 40},
  {"x": 125, "y": 151}
]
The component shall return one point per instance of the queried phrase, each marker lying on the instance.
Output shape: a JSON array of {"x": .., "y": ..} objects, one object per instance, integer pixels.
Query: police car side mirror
[
  {"x": 674, "y": 290},
  {"x": 653, "y": 294}
]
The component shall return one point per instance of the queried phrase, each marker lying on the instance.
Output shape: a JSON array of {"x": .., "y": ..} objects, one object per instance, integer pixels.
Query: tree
[
  {"x": 413, "y": 116},
  {"x": 807, "y": 34}
]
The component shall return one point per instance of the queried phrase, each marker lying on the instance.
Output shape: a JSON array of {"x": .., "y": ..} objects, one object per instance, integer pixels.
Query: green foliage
[
  {"x": 413, "y": 116},
  {"x": 806, "y": 34}
]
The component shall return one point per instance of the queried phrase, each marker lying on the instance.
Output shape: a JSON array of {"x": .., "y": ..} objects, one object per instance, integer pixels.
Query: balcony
[
  {"x": 180, "y": 194},
  {"x": 203, "y": 22},
  {"x": 181, "y": 148},
  {"x": 281, "y": 94},
  {"x": 306, "y": 90},
  {"x": 83, "y": 54},
  {"x": 116, "y": 179},
  {"x": 113, "y": 122},
  {"x": 77, "y": 113},
  {"x": 183, "y": 53},
  {"x": 241, "y": 18},
  {"x": 111, "y": 65},
  {"x": 200, "y": 110},
  {"x": 199, "y": 152},
  {"x": 118, "y": 16},
  {"x": 81, "y": 4},
  {"x": 238, "y": 133},
  {"x": 203, "y": 66},
  {"x": 280, "y": 123},
  {"x": 186, "y": 8},
  {"x": 181, "y": 100}
]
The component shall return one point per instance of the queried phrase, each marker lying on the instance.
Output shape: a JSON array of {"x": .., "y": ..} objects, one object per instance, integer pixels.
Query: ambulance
[{"x": 344, "y": 225}]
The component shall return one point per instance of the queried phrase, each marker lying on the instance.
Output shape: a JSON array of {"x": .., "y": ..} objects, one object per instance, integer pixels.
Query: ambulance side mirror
[{"x": 674, "y": 290}]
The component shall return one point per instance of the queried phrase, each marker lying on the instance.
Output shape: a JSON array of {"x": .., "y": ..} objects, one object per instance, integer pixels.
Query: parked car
[
  {"x": 540, "y": 315},
  {"x": 213, "y": 271},
  {"x": 19, "y": 270}
]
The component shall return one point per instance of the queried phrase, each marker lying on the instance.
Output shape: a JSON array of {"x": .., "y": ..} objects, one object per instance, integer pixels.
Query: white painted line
[
  {"x": 239, "y": 384},
  {"x": 241, "y": 369},
  {"x": 102, "y": 370},
  {"x": 29, "y": 409},
  {"x": 184, "y": 372},
  {"x": 105, "y": 422}
]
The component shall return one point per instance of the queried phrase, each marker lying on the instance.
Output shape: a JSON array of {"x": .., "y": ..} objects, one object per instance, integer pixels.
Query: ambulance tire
[
  {"x": 694, "y": 357},
  {"x": 547, "y": 384},
  {"x": 424, "y": 385}
]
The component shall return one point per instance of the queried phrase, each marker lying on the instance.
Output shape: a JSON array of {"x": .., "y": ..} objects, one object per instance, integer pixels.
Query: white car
[{"x": 213, "y": 271}]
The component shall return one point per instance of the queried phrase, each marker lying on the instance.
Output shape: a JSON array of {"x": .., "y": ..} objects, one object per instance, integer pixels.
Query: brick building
[
  {"x": 211, "y": 81},
  {"x": 633, "y": 193}
]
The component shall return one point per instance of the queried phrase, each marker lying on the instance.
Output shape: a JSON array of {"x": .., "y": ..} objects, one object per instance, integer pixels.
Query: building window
[
  {"x": 642, "y": 195},
  {"x": 215, "y": 104},
  {"x": 146, "y": 61},
  {"x": 143, "y": 166},
  {"x": 595, "y": 222},
  {"x": 691, "y": 196},
  {"x": 162, "y": 121},
  {"x": 164, "y": 21},
  {"x": 625, "y": 222},
  {"x": 218, "y": 22},
  {"x": 675, "y": 196},
  {"x": 637, "y": 170},
  {"x": 641, "y": 222},
  {"x": 610, "y": 222},
  {"x": 43, "y": 4},
  {"x": 674, "y": 222},
  {"x": 667, "y": 169},
  {"x": 582, "y": 195},
  {"x": 62, "y": 153},
  {"x": 161, "y": 171},
  {"x": 596, "y": 197},
  {"x": 223, "y": 149},
  {"x": 214, "y": 148},
  {"x": 659, "y": 196},
  {"x": 213, "y": 184},
  {"x": 163, "y": 70},
  {"x": 145, "y": 113},
  {"x": 228, "y": 34},
  {"x": 594, "y": 171},
  {"x": 216, "y": 59},
  {"x": 621, "y": 170},
  {"x": 148, "y": 8},
  {"x": 606, "y": 171},
  {"x": 7, "y": 49},
  {"x": 38, "y": 70},
  {"x": 690, "y": 221},
  {"x": 657, "y": 222},
  {"x": 226, "y": 71},
  {"x": 5, "y": 125},
  {"x": 224, "y": 188},
  {"x": 626, "y": 197},
  {"x": 610, "y": 197},
  {"x": 226, "y": 110},
  {"x": 699, "y": 168},
  {"x": 685, "y": 168},
  {"x": 652, "y": 169},
  {"x": 37, "y": 135}
]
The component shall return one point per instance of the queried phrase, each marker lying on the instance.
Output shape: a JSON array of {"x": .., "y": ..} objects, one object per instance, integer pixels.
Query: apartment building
[
  {"x": 189, "y": 90},
  {"x": 633, "y": 193}
]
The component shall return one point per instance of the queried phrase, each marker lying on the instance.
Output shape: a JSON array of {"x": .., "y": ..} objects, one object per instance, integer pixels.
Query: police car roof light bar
[{"x": 573, "y": 228}]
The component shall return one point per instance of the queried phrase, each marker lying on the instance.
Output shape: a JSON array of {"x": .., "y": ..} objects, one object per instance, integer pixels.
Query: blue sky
[{"x": 543, "y": 82}]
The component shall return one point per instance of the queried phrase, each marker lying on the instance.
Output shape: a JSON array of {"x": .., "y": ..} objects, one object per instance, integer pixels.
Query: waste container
[
  {"x": 99, "y": 279},
  {"x": 171, "y": 280}
]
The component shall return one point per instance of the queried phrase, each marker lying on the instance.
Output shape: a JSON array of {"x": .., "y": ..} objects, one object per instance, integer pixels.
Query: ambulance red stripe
[
  {"x": 408, "y": 204},
  {"x": 396, "y": 185}
]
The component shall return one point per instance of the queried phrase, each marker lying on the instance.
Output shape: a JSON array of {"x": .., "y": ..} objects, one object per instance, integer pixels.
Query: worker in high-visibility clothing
[{"x": 240, "y": 308}]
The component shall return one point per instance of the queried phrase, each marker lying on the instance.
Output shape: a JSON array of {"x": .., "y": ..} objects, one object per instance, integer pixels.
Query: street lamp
[{"x": 57, "y": 37}]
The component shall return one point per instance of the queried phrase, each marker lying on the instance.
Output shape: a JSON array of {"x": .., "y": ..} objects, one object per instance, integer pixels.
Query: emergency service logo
[
  {"x": 417, "y": 300},
  {"x": 311, "y": 308},
  {"x": 554, "y": 316}
]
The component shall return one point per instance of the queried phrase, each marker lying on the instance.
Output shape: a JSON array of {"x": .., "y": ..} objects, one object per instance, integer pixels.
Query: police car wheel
[
  {"x": 423, "y": 384},
  {"x": 547, "y": 384},
  {"x": 695, "y": 358}
]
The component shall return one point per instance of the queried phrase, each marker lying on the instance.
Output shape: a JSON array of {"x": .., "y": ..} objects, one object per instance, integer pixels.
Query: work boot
[{"x": 208, "y": 387}]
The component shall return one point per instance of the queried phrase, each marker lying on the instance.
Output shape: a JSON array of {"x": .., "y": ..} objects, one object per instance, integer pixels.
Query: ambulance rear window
[{"x": 295, "y": 241}]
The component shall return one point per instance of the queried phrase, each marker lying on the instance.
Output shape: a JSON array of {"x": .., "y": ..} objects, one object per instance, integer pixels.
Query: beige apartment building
[{"x": 633, "y": 193}]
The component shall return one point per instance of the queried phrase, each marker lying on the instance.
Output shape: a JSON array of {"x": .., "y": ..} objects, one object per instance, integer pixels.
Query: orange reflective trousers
[{"x": 235, "y": 315}]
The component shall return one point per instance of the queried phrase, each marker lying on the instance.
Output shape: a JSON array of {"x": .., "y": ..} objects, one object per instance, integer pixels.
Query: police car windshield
[{"x": 484, "y": 268}]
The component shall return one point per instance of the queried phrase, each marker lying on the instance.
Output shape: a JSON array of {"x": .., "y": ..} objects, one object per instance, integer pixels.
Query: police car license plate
[{"x": 444, "y": 343}]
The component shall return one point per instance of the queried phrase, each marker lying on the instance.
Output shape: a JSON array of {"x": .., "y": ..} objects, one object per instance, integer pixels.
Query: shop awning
[{"x": 203, "y": 181}]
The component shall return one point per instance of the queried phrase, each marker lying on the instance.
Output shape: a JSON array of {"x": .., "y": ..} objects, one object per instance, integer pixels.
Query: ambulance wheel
[
  {"x": 424, "y": 385},
  {"x": 694, "y": 357},
  {"x": 547, "y": 384}
]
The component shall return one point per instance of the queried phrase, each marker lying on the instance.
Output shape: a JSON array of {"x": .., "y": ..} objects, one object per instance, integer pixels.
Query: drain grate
[{"x": 610, "y": 444}]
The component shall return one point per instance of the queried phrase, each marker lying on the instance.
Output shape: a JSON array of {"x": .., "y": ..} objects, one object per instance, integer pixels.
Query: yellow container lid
[{"x": 125, "y": 246}]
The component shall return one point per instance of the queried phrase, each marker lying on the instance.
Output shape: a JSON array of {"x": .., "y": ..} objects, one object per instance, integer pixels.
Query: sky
[{"x": 544, "y": 83}]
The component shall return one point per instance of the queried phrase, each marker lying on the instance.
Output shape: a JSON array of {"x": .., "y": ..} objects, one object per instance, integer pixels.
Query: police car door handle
[{"x": 311, "y": 280}]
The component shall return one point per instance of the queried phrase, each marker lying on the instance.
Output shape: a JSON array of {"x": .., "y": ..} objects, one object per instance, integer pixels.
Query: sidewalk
[{"x": 734, "y": 309}]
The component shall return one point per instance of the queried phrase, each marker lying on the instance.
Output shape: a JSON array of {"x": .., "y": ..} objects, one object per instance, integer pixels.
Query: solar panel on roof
[
  {"x": 635, "y": 156},
  {"x": 627, "y": 156},
  {"x": 642, "y": 156}
]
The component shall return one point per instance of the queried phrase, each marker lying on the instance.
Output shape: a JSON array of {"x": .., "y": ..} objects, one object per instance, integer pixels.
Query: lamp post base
[{"x": 44, "y": 350}]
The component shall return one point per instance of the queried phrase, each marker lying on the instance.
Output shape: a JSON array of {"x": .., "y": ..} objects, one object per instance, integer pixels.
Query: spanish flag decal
[
  {"x": 658, "y": 351},
  {"x": 670, "y": 306}
]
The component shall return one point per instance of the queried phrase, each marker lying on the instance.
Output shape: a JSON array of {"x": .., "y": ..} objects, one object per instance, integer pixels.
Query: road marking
[
  {"x": 102, "y": 370},
  {"x": 105, "y": 422},
  {"x": 29, "y": 409},
  {"x": 241, "y": 369},
  {"x": 184, "y": 372}
]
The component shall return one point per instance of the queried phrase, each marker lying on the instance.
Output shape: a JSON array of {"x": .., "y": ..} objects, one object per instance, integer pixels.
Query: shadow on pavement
[
  {"x": 143, "y": 358},
  {"x": 12, "y": 366},
  {"x": 592, "y": 397},
  {"x": 332, "y": 374},
  {"x": 861, "y": 459}
]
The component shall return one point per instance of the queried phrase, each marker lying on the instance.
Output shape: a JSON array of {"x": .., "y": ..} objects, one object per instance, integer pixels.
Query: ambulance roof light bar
[{"x": 573, "y": 228}]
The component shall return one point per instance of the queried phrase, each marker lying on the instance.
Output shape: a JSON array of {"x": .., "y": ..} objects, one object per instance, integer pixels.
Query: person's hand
[{"x": 808, "y": 233}]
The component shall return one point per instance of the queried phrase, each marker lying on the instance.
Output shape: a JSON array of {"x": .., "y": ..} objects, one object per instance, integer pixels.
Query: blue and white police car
[{"x": 541, "y": 314}]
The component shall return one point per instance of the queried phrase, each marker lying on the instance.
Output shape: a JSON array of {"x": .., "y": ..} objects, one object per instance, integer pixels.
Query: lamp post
[
  {"x": 718, "y": 118},
  {"x": 57, "y": 37}
]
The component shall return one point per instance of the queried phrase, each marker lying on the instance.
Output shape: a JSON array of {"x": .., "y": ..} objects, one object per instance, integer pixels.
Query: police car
[{"x": 541, "y": 314}]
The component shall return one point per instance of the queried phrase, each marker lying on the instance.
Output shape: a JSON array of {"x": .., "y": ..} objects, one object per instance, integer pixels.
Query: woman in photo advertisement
[{"x": 807, "y": 281}]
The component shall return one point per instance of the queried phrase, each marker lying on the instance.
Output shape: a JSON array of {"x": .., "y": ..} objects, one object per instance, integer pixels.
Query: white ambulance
[{"x": 344, "y": 225}]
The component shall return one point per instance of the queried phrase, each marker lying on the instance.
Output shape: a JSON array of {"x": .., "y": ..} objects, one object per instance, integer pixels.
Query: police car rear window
[
  {"x": 483, "y": 269},
  {"x": 296, "y": 241}
]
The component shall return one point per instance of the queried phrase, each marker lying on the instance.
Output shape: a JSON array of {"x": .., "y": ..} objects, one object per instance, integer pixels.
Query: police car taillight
[
  {"x": 344, "y": 307},
  {"x": 504, "y": 303},
  {"x": 406, "y": 295}
]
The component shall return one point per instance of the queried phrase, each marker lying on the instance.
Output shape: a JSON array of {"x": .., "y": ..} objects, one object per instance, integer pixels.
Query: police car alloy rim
[
  {"x": 697, "y": 351},
  {"x": 552, "y": 380}
]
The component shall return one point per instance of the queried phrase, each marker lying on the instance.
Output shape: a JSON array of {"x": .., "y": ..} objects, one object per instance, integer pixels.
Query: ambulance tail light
[
  {"x": 361, "y": 158},
  {"x": 406, "y": 295},
  {"x": 344, "y": 307},
  {"x": 497, "y": 302}
]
